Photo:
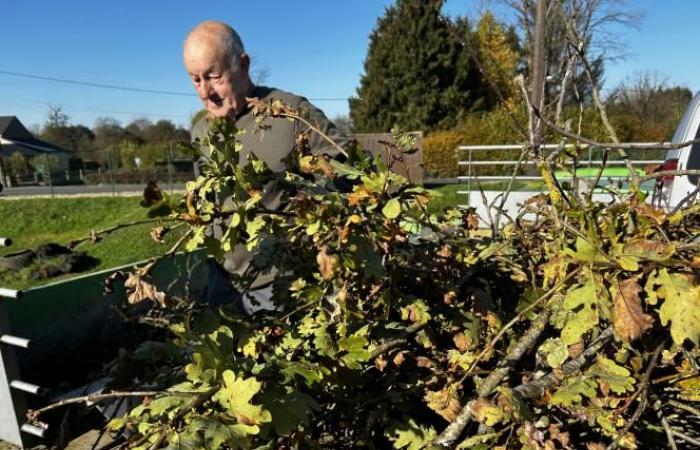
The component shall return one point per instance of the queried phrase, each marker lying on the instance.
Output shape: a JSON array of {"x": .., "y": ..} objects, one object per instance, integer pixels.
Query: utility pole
[{"x": 538, "y": 75}]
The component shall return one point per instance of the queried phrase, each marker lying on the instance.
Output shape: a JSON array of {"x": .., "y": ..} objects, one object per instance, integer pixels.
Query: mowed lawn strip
[{"x": 34, "y": 221}]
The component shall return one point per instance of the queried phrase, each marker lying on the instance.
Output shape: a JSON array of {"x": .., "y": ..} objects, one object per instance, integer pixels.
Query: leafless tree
[{"x": 595, "y": 25}]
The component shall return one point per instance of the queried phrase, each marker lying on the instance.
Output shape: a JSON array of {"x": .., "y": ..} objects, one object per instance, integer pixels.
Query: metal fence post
[
  {"x": 469, "y": 180},
  {"x": 48, "y": 172},
  {"x": 170, "y": 166},
  {"x": 110, "y": 158}
]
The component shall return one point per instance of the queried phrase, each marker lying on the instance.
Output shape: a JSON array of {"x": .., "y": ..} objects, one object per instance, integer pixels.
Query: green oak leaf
[
  {"x": 290, "y": 409},
  {"x": 235, "y": 395},
  {"x": 611, "y": 376},
  {"x": 585, "y": 252},
  {"x": 217, "y": 433},
  {"x": 355, "y": 350},
  {"x": 573, "y": 391},
  {"x": 392, "y": 209},
  {"x": 183, "y": 441},
  {"x": 681, "y": 305},
  {"x": 416, "y": 312},
  {"x": 586, "y": 304},
  {"x": 412, "y": 436},
  {"x": 555, "y": 351},
  {"x": 161, "y": 405}
]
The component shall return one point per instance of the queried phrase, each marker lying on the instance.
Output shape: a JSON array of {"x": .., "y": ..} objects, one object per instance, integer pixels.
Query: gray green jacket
[{"x": 272, "y": 144}]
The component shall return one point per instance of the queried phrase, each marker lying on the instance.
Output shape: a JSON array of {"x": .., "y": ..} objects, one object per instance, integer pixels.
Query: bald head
[
  {"x": 217, "y": 36},
  {"x": 218, "y": 66}
]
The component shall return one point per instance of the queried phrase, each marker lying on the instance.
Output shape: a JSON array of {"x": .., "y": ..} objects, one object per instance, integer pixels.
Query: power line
[
  {"x": 97, "y": 85},
  {"x": 45, "y": 105},
  {"x": 125, "y": 88}
]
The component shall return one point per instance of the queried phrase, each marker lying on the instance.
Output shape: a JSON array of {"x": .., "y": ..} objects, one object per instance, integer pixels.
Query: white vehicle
[{"x": 679, "y": 191}]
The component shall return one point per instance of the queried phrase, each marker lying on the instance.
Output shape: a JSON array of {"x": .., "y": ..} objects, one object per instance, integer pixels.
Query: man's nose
[{"x": 204, "y": 89}]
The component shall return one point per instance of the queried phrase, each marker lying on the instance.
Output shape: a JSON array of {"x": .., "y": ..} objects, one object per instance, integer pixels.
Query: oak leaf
[
  {"x": 486, "y": 412},
  {"x": 138, "y": 289},
  {"x": 326, "y": 263},
  {"x": 158, "y": 233},
  {"x": 461, "y": 342},
  {"x": 681, "y": 305},
  {"x": 629, "y": 319},
  {"x": 444, "y": 402}
]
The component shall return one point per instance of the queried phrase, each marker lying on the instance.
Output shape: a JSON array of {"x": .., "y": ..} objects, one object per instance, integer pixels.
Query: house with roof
[{"x": 15, "y": 138}]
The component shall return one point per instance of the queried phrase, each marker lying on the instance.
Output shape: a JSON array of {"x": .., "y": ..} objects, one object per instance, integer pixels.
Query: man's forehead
[{"x": 204, "y": 53}]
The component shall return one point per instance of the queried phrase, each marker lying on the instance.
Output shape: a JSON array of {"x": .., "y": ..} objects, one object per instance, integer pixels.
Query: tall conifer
[{"x": 416, "y": 75}]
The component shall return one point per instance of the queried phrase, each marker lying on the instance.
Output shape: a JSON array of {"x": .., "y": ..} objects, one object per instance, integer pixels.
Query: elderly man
[{"x": 216, "y": 62}]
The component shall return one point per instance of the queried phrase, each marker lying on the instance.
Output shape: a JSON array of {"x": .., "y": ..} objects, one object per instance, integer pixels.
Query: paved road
[{"x": 84, "y": 190}]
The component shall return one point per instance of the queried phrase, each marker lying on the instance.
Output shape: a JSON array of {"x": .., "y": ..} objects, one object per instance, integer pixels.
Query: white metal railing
[
  {"x": 470, "y": 162},
  {"x": 13, "y": 405}
]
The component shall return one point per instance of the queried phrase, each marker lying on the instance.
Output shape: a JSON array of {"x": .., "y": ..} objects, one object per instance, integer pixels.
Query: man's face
[{"x": 220, "y": 89}]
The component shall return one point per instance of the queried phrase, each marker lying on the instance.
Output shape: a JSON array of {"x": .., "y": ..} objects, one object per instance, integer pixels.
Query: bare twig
[
  {"x": 509, "y": 188},
  {"x": 450, "y": 434},
  {"x": 687, "y": 199},
  {"x": 148, "y": 267},
  {"x": 614, "y": 145},
  {"x": 684, "y": 407},
  {"x": 392, "y": 343},
  {"x": 665, "y": 425},
  {"x": 489, "y": 347},
  {"x": 315, "y": 129},
  {"x": 536, "y": 388},
  {"x": 668, "y": 173},
  {"x": 685, "y": 437},
  {"x": 97, "y": 234},
  {"x": 94, "y": 398}
]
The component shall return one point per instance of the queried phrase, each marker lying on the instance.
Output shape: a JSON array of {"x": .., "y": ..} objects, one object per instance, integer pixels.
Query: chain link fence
[{"x": 165, "y": 164}]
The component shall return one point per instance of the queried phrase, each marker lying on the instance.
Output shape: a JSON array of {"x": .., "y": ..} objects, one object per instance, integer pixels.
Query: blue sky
[{"x": 315, "y": 48}]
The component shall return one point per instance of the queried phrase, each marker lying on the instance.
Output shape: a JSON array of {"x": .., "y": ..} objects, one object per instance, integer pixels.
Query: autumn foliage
[{"x": 576, "y": 326}]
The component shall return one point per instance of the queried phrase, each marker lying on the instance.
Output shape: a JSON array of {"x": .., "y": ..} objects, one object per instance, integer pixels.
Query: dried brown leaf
[
  {"x": 656, "y": 215},
  {"x": 461, "y": 341},
  {"x": 444, "y": 402},
  {"x": 594, "y": 446},
  {"x": 449, "y": 297},
  {"x": 576, "y": 349},
  {"x": 380, "y": 363},
  {"x": 399, "y": 358},
  {"x": 470, "y": 220},
  {"x": 158, "y": 233},
  {"x": 326, "y": 263},
  {"x": 356, "y": 197},
  {"x": 424, "y": 362},
  {"x": 138, "y": 290},
  {"x": 629, "y": 319},
  {"x": 445, "y": 251},
  {"x": 556, "y": 434}
]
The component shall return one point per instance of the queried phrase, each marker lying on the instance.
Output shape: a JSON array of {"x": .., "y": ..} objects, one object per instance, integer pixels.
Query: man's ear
[{"x": 245, "y": 62}]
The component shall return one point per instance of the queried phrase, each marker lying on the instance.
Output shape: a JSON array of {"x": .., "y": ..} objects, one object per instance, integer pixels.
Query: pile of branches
[{"x": 574, "y": 325}]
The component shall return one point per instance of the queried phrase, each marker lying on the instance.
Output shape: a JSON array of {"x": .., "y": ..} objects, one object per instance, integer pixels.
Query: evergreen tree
[{"x": 417, "y": 72}]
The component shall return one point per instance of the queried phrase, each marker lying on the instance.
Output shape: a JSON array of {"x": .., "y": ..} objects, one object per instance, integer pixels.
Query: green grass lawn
[{"x": 34, "y": 221}]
